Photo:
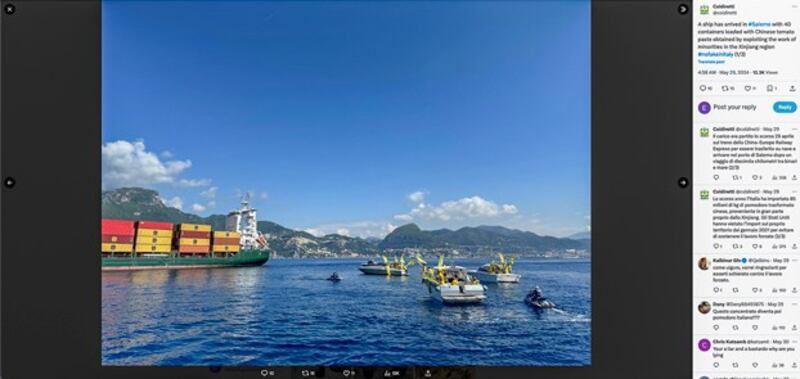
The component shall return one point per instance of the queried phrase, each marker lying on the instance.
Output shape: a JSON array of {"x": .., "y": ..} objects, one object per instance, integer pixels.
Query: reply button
[{"x": 785, "y": 107}]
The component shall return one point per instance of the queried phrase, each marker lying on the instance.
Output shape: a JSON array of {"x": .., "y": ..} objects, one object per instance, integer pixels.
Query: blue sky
[{"x": 354, "y": 117}]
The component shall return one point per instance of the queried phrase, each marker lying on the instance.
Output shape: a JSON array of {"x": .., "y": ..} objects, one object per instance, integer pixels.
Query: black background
[{"x": 641, "y": 219}]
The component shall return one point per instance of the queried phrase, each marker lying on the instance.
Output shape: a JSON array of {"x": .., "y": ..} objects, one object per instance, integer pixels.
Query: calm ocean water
[{"x": 286, "y": 313}]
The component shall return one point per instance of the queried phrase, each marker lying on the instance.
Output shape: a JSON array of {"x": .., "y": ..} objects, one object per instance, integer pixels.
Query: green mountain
[
  {"x": 296, "y": 244},
  {"x": 481, "y": 238},
  {"x": 408, "y": 236}
]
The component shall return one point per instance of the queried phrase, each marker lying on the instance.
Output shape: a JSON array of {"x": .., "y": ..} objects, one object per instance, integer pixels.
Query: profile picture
[
  {"x": 703, "y": 263},
  {"x": 704, "y": 307}
]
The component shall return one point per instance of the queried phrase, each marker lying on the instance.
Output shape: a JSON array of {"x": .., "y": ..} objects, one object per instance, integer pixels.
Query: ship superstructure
[{"x": 245, "y": 222}]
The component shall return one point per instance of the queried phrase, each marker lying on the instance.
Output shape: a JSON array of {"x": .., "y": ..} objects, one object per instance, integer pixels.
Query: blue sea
[{"x": 286, "y": 313}]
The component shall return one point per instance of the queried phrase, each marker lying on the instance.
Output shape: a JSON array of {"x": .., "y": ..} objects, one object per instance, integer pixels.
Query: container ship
[{"x": 151, "y": 245}]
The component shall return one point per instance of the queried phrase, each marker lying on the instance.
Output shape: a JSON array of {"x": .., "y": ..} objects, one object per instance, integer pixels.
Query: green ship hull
[{"x": 244, "y": 258}]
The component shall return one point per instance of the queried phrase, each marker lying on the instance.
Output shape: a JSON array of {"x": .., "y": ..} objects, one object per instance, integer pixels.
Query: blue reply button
[{"x": 785, "y": 107}]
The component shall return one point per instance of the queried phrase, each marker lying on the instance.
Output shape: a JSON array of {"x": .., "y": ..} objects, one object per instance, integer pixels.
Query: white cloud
[
  {"x": 417, "y": 196},
  {"x": 167, "y": 154},
  {"x": 314, "y": 232},
  {"x": 127, "y": 164},
  {"x": 547, "y": 224},
  {"x": 465, "y": 208},
  {"x": 362, "y": 229},
  {"x": 175, "y": 202},
  {"x": 193, "y": 182},
  {"x": 210, "y": 193},
  {"x": 404, "y": 217},
  {"x": 263, "y": 195},
  {"x": 509, "y": 209}
]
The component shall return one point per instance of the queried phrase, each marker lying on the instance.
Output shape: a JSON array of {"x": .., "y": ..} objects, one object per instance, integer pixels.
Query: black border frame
[{"x": 50, "y": 97}]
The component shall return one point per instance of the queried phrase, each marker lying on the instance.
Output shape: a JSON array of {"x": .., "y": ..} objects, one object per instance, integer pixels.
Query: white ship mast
[{"x": 244, "y": 221}]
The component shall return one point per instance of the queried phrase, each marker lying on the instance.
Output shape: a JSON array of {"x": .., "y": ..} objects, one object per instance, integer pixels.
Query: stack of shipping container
[
  {"x": 153, "y": 237},
  {"x": 124, "y": 238},
  {"x": 225, "y": 243},
  {"x": 193, "y": 239},
  {"x": 116, "y": 236}
]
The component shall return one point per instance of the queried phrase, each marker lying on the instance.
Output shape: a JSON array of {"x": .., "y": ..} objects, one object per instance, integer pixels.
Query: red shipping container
[
  {"x": 226, "y": 241},
  {"x": 193, "y": 249},
  {"x": 193, "y": 234},
  {"x": 113, "y": 238},
  {"x": 116, "y": 227},
  {"x": 154, "y": 225}
]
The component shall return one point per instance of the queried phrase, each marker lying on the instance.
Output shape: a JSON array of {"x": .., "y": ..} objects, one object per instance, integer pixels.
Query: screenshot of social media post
[{"x": 746, "y": 222}]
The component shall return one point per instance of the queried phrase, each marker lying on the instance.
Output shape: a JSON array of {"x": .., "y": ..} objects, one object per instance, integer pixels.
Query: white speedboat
[
  {"x": 380, "y": 269},
  {"x": 386, "y": 268},
  {"x": 452, "y": 285},
  {"x": 485, "y": 275},
  {"x": 497, "y": 272}
]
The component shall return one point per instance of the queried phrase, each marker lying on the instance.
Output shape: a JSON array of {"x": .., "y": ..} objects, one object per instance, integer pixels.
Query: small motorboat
[
  {"x": 396, "y": 268},
  {"x": 497, "y": 272},
  {"x": 334, "y": 277},
  {"x": 536, "y": 299},
  {"x": 452, "y": 285}
]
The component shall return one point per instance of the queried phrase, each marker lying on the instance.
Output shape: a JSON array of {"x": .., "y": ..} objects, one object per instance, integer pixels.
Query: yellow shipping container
[
  {"x": 226, "y": 248},
  {"x": 117, "y": 247},
  {"x": 224, "y": 234},
  {"x": 194, "y": 227},
  {"x": 153, "y": 233},
  {"x": 154, "y": 240},
  {"x": 194, "y": 241},
  {"x": 153, "y": 248}
]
